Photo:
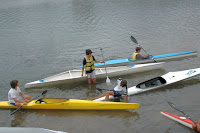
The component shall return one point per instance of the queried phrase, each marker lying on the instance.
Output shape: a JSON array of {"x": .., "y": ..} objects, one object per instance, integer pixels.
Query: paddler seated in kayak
[
  {"x": 88, "y": 64},
  {"x": 15, "y": 96},
  {"x": 118, "y": 91},
  {"x": 196, "y": 127},
  {"x": 137, "y": 56}
]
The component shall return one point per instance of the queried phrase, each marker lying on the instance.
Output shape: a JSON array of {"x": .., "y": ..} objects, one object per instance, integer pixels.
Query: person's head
[
  {"x": 137, "y": 49},
  {"x": 88, "y": 52},
  {"x": 14, "y": 84},
  {"x": 123, "y": 83}
]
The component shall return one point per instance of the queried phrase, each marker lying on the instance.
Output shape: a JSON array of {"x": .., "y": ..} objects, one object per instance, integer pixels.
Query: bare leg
[
  {"x": 94, "y": 80},
  {"x": 17, "y": 104},
  {"x": 109, "y": 93},
  {"x": 89, "y": 80},
  {"x": 100, "y": 96}
]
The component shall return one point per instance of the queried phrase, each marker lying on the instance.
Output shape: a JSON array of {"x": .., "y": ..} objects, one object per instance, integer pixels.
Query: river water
[{"x": 40, "y": 38}]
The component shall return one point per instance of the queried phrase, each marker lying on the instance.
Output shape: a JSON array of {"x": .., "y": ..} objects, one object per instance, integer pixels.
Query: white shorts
[{"x": 92, "y": 75}]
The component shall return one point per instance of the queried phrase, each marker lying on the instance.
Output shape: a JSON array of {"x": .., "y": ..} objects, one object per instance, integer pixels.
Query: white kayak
[
  {"x": 182, "y": 120},
  {"x": 161, "y": 81},
  {"x": 27, "y": 130},
  {"x": 75, "y": 75}
]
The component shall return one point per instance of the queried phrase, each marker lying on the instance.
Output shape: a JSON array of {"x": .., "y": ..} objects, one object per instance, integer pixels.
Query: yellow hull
[{"x": 73, "y": 104}]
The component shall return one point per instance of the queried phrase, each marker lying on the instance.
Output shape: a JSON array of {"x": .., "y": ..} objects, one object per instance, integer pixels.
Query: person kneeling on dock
[
  {"x": 15, "y": 96},
  {"x": 118, "y": 91},
  {"x": 196, "y": 127}
]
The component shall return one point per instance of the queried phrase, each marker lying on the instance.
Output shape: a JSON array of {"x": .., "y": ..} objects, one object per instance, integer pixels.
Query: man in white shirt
[{"x": 15, "y": 96}]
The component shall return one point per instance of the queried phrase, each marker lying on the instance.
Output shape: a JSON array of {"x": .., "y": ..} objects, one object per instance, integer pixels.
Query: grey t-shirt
[{"x": 139, "y": 56}]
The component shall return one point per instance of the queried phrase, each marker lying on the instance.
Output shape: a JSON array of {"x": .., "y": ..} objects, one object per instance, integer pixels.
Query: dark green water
[{"x": 42, "y": 38}]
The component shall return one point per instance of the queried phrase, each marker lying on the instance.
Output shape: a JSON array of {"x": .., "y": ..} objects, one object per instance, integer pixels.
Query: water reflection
[
  {"x": 124, "y": 114},
  {"x": 18, "y": 119}
]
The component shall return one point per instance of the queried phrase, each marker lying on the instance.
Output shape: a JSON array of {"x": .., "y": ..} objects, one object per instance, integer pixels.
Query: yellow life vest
[
  {"x": 134, "y": 56},
  {"x": 89, "y": 64}
]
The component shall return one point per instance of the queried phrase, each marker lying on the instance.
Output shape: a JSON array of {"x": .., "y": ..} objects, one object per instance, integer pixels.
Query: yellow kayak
[{"x": 72, "y": 104}]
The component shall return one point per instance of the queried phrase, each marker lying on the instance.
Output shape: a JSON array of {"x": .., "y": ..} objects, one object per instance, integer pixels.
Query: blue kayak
[{"x": 163, "y": 57}]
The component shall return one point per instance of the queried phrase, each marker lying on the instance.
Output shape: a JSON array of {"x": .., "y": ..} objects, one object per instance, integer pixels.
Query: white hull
[
  {"x": 75, "y": 75},
  {"x": 159, "y": 82},
  {"x": 27, "y": 130}
]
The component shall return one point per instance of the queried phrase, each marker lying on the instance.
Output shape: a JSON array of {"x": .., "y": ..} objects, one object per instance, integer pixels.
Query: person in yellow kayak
[
  {"x": 137, "y": 56},
  {"x": 118, "y": 91},
  {"x": 15, "y": 96},
  {"x": 88, "y": 65},
  {"x": 196, "y": 127}
]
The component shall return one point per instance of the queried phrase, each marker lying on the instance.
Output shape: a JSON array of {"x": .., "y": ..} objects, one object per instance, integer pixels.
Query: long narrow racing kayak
[
  {"x": 158, "y": 82},
  {"x": 162, "y": 57},
  {"x": 72, "y": 104},
  {"x": 75, "y": 75},
  {"x": 182, "y": 120},
  {"x": 27, "y": 130}
]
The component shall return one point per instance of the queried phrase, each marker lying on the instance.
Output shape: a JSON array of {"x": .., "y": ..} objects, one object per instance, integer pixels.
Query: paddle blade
[
  {"x": 134, "y": 40},
  {"x": 44, "y": 93},
  {"x": 107, "y": 80}
]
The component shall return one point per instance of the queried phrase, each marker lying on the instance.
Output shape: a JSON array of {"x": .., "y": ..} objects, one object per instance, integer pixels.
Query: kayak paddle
[
  {"x": 126, "y": 94},
  {"x": 100, "y": 89},
  {"x": 176, "y": 108},
  {"x": 135, "y": 41},
  {"x": 107, "y": 79},
  {"x": 43, "y": 93}
]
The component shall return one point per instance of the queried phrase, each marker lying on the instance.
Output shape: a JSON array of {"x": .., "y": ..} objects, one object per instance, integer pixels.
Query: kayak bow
[{"x": 182, "y": 120}]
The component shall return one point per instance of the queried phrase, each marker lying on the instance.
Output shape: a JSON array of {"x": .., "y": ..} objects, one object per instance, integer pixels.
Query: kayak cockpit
[
  {"x": 152, "y": 83},
  {"x": 50, "y": 100}
]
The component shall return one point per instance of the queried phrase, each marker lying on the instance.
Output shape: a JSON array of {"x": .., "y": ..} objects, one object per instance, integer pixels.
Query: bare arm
[
  {"x": 99, "y": 61},
  {"x": 196, "y": 127},
  {"x": 82, "y": 70},
  {"x": 127, "y": 98},
  {"x": 22, "y": 95}
]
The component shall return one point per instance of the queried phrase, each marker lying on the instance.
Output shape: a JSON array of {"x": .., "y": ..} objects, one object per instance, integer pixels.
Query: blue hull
[{"x": 126, "y": 61}]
